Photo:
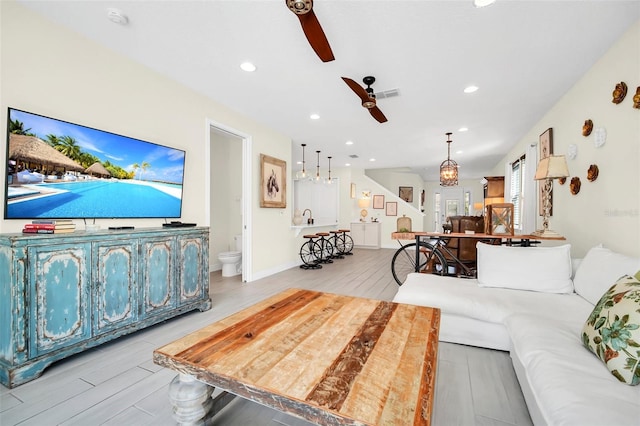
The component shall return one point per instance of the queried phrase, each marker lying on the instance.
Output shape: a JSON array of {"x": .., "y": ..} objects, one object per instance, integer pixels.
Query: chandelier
[{"x": 449, "y": 168}]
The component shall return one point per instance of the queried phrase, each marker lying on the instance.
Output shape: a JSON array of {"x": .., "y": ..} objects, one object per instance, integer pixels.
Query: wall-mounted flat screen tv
[{"x": 56, "y": 169}]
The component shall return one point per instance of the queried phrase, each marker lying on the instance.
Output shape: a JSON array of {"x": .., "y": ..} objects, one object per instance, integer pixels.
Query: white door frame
[{"x": 247, "y": 196}]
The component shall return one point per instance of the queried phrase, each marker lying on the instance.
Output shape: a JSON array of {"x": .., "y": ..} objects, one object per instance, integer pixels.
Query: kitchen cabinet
[{"x": 366, "y": 234}]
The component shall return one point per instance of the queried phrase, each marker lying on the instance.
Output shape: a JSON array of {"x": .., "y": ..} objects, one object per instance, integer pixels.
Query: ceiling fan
[
  {"x": 367, "y": 96},
  {"x": 311, "y": 27}
]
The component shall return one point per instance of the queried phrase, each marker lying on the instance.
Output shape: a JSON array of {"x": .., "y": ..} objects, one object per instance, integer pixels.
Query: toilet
[{"x": 232, "y": 260}]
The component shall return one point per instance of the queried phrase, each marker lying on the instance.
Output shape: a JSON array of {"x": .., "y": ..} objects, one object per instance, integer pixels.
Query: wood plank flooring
[{"x": 118, "y": 384}]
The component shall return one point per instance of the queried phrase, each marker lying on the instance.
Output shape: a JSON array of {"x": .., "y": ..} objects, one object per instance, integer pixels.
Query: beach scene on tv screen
[{"x": 57, "y": 169}]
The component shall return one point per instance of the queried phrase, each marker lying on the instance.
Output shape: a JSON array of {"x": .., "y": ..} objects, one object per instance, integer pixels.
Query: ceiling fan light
[
  {"x": 369, "y": 104},
  {"x": 300, "y": 7}
]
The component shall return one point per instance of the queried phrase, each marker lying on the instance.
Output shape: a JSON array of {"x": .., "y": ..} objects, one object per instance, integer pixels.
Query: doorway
[
  {"x": 447, "y": 202},
  {"x": 228, "y": 193}
]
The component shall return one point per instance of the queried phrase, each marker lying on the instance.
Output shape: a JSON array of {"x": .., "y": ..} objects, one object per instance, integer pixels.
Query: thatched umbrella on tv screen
[
  {"x": 97, "y": 169},
  {"x": 31, "y": 149}
]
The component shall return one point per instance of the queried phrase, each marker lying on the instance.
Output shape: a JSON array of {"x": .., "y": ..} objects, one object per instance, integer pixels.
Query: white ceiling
[{"x": 523, "y": 55}]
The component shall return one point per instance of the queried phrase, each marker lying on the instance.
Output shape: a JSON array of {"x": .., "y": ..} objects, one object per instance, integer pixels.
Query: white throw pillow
[
  {"x": 544, "y": 269},
  {"x": 599, "y": 268}
]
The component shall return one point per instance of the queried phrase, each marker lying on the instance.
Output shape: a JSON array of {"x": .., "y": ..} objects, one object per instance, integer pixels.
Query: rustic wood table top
[{"x": 327, "y": 358}]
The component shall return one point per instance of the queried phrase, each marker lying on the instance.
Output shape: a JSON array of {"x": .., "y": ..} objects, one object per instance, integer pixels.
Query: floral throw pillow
[{"x": 612, "y": 331}]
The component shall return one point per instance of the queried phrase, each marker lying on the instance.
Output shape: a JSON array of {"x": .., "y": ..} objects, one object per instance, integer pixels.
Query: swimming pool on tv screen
[{"x": 104, "y": 198}]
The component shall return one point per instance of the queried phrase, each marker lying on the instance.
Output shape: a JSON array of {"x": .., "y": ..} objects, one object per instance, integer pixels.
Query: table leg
[{"x": 191, "y": 400}]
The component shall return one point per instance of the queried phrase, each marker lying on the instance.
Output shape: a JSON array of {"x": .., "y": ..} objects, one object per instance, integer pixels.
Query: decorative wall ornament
[
  {"x": 619, "y": 92},
  {"x": 592, "y": 173},
  {"x": 575, "y": 184},
  {"x": 600, "y": 137},
  {"x": 572, "y": 151},
  {"x": 562, "y": 180},
  {"x": 587, "y": 127},
  {"x": 636, "y": 98}
]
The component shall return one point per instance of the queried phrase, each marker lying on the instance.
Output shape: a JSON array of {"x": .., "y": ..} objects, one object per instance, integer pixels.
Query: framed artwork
[
  {"x": 378, "y": 201},
  {"x": 353, "y": 190},
  {"x": 546, "y": 149},
  {"x": 273, "y": 182},
  {"x": 392, "y": 208},
  {"x": 406, "y": 193},
  {"x": 546, "y": 143}
]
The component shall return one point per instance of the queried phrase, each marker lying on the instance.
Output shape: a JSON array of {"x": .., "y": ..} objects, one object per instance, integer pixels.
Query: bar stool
[
  {"x": 308, "y": 253},
  {"x": 326, "y": 248},
  {"x": 337, "y": 254},
  {"x": 345, "y": 242}
]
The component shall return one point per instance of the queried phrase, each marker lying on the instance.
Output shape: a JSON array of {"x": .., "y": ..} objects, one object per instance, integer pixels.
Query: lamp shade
[
  {"x": 363, "y": 203},
  {"x": 552, "y": 167}
]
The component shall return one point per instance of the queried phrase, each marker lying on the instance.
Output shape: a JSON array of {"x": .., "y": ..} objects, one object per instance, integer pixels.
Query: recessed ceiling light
[
  {"x": 470, "y": 89},
  {"x": 463, "y": 129},
  {"x": 314, "y": 116},
  {"x": 116, "y": 15},
  {"x": 372, "y": 159},
  {"x": 347, "y": 164},
  {"x": 349, "y": 142},
  {"x": 248, "y": 67},
  {"x": 483, "y": 3}
]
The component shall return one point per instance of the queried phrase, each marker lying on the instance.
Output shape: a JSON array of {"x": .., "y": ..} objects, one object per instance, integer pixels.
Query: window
[{"x": 517, "y": 190}]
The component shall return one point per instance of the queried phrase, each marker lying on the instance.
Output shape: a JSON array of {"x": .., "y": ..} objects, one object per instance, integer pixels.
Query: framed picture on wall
[
  {"x": 378, "y": 201},
  {"x": 546, "y": 149},
  {"x": 546, "y": 143},
  {"x": 392, "y": 208},
  {"x": 406, "y": 193},
  {"x": 273, "y": 182},
  {"x": 353, "y": 190}
]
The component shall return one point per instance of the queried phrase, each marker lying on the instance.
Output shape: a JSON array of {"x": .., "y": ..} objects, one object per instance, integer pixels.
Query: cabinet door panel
[
  {"x": 59, "y": 297},
  {"x": 190, "y": 266},
  {"x": 159, "y": 282},
  {"x": 115, "y": 285}
]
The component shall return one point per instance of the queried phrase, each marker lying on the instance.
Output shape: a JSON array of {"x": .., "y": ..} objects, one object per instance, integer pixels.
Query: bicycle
[{"x": 429, "y": 258}]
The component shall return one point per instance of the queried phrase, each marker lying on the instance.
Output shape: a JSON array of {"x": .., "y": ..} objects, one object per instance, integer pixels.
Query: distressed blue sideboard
[{"x": 64, "y": 293}]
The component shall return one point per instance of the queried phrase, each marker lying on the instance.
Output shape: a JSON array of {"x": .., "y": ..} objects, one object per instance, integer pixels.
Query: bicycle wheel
[
  {"x": 344, "y": 244},
  {"x": 429, "y": 261},
  {"x": 324, "y": 251},
  {"x": 308, "y": 252}
]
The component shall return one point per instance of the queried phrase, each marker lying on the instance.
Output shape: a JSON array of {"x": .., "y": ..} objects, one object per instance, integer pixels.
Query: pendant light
[
  {"x": 449, "y": 168},
  {"x": 328, "y": 181},
  {"x": 302, "y": 173},
  {"x": 317, "y": 179}
]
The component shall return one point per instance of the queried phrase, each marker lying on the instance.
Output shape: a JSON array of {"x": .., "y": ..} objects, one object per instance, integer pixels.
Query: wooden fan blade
[
  {"x": 359, "y": 90},
  {"x": 377, "y": 114},
  {"x": 314, "y": 33}
]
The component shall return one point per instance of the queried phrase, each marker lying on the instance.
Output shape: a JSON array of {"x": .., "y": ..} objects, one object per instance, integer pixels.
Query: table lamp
[
  {"x": 549, "y": 168},
  {"x": 363, "y": 203}
]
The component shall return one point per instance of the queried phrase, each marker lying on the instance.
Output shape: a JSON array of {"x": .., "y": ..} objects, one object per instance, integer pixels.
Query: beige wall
[
  {"x": 51, "y": 71},
  {"x": 606, "y": 211}
]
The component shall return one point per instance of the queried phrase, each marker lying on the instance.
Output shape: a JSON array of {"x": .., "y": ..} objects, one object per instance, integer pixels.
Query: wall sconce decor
[{"x": 549, "y": 168}]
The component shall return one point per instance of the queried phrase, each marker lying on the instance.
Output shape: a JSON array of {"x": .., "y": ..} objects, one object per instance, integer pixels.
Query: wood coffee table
[{"x": 327, "y": 358}]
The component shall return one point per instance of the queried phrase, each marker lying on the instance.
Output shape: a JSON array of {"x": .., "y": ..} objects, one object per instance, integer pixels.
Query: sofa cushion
[
  {"x": 599, "y": 269},
  {"x": 612, "y": 331},
  {"x": 465, "y": 297},
  {"x": 568, "y": 383},
  {"x": 542, "y": 269}
]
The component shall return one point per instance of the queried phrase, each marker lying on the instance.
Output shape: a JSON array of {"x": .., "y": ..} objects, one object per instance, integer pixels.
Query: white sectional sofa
[{"x": 534, "y": 302}]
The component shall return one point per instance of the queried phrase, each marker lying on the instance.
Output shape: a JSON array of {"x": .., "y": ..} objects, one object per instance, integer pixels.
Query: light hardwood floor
[{"x": 118, "y": 384}]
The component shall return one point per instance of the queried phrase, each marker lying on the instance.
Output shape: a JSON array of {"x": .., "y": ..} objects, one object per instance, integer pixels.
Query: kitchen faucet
[{"x": 310, "y": 220}]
